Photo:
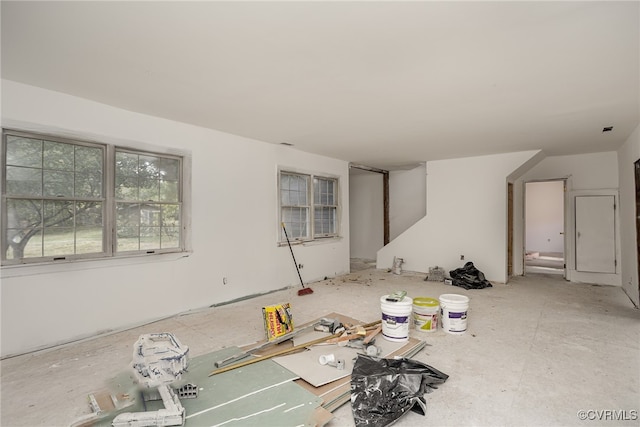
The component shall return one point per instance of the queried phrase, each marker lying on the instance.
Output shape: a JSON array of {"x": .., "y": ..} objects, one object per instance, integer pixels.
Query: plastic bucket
[
  {"x": 425, "y": 314},
  {"x": 395, "y": 318},
  {"x": 453, "y": 312}
]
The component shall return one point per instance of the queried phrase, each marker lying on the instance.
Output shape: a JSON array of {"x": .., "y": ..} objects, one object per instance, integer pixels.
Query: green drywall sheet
[{"x": 260, "y": 394}]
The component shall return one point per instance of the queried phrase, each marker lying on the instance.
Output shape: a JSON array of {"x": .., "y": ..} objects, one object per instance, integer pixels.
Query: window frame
[
  {"x": 116, "y": 201},
  {"x": 108, "y": 200},
  {"x": 335, "y": 207},
  {"x": 312, "y": 236}
]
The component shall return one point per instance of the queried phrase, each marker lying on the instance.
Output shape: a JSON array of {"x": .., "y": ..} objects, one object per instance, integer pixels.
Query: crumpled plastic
[
  {"x": 383, "y": 390},
  {"x": 469, "y": 277}
]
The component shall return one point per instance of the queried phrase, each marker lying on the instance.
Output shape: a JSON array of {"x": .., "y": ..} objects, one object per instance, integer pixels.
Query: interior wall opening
[
  {"x": 544, "y": 251},
  {"x": 368, "y": 214}
]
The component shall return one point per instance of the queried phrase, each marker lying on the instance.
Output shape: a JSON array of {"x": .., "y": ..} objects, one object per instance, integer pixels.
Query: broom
[{"x": 303, "y": 291}]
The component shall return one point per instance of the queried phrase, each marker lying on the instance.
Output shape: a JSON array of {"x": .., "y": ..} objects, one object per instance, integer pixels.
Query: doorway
[
  {"x": 544, "y": 227},
  {"x": 368, "y": 214}
]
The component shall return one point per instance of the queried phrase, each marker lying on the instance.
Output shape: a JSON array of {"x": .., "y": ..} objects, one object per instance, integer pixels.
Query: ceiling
[{"x": 384, "y": 84}]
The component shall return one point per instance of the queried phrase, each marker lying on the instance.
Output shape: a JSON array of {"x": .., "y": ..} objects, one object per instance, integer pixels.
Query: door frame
[
  {"x": 510, "y": 225},
  {"x": 565, "y": 223},
  {"x": 385, "y": 196}
]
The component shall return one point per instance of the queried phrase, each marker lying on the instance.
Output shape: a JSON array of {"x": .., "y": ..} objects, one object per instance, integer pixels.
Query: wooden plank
[
  {"x": 279, "y": 353},
  {"x": 305, "y": 337}
]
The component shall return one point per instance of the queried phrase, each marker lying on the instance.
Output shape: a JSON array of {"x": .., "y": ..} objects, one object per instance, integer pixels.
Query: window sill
[
  {"x": 318, "y": 241},
  {"x": 23, "y": 270}
]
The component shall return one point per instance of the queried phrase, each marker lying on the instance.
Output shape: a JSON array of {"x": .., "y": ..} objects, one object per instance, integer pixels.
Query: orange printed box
[{"x": 278, "y": 320}]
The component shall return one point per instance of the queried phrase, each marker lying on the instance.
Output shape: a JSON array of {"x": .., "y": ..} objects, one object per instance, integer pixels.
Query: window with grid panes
[
  {"x": 147, "y": 194},
  {"x": 294, "y": 205},
  {"x": 308, "y": 206},
  {"x": 57, "y": 204},
  {"x": 324, "y": 207}
]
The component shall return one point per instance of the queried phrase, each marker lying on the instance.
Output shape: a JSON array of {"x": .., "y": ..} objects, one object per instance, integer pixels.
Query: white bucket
[
  {"x": 395, "y": 318},
  {"x": 453, "y": 312},
  {"x": 425, "y": 314}
]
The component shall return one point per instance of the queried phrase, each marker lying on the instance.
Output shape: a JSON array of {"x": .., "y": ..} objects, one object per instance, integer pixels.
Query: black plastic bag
[
  {"x": 469, "y": 277},
  {"x": 383, "y": 390}
]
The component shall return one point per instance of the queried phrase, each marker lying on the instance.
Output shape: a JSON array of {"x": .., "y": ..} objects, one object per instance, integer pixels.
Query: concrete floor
[{"x": 537, "y": 351}]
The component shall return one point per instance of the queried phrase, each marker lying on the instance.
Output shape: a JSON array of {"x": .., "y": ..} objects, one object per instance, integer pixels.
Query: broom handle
[{"x": 292, "y": 255}]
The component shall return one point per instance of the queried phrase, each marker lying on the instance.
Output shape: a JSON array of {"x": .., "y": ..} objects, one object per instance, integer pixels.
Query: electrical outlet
[
  {"x": 224, "y": 280},
  {"x": 461, "y": 257}
]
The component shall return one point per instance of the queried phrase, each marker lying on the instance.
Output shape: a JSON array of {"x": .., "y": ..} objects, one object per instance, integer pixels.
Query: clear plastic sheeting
[
  {"x": 469, "y": 277},
  {"x": 383, "y": 390}
]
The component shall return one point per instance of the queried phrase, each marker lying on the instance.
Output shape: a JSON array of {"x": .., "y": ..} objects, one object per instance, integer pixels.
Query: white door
[{"x": 595, "y": 234}]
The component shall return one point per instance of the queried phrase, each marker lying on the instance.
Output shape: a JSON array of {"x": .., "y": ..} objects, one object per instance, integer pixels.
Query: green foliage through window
[{"x": 56, "y": 203}]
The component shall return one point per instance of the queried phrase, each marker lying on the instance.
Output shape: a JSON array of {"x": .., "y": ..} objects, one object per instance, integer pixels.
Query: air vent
[{"x": 607, "y": 129}]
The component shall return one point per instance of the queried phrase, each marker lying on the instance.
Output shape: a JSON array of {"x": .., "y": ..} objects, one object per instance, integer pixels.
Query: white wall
[
  {"x": 366, "y": 213},
  {"x": 627, "y": 155},
  {"x": 234, "y": 224},
  {"x": 594, "y": 173},
  {"x": 583, "y": 172},
  {"x": 544, "y": 216},
  {"x": 466, "y": 215},
  {"x": 407, "y": 199}
]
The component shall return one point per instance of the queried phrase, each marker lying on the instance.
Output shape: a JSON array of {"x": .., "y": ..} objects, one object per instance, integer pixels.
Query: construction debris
[
  {"x": 436, "y": 274},
  {"x": 158, "y": 360},
  {"x": 235, "y": 358},
  {"x": 228, "y": 393},
  {"x": 397, "y": 265},
  {"x": 283, "y": 351}
]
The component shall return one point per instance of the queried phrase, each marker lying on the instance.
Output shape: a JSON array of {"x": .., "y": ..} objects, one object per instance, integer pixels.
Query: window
[
  {"x": 147, "y": 194},
  {"x": 308, "y": 206},
  {"x": 65, "y": 200},
  {"x": 324, "y": 207}
]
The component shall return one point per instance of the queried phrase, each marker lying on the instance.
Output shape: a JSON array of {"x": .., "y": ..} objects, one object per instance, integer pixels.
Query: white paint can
[
  {"x": 395, "y": 318},
  {"x": 454, "y": 312}
]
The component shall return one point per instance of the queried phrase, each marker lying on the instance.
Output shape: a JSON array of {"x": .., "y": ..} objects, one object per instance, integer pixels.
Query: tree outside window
[
  {"x": 56, "y": 202},
  {"x": 53, "y": 198}
]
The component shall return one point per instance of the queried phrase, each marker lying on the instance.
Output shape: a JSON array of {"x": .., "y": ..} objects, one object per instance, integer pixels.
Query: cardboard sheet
[{"x": 306, "y": 364}]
